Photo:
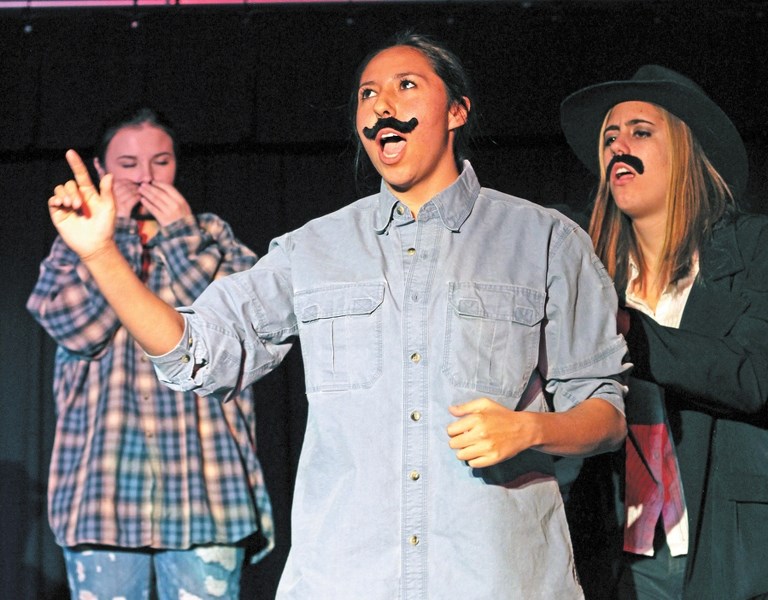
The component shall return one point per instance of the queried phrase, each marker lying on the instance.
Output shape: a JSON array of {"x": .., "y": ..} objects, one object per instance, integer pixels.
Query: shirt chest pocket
[
  {"x": 341, "y": 336},
  {"x": 492, "y": 336}
]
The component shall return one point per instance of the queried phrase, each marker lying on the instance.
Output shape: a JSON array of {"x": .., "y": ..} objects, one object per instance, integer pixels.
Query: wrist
[{"x": 98, "y": 253}]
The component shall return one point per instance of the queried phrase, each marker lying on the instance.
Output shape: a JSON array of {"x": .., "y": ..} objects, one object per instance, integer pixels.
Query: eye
[
  {"x": 407, "y": 84},
  {"x": 127, "y": 165},
  {"x": 642, "y": 133},
  {"x": 366, "y": 93},
  {"x": 609, "y": 140}
]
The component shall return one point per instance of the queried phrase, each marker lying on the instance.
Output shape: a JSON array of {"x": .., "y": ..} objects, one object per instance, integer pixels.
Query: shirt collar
[{"x": 453, "y": 205}]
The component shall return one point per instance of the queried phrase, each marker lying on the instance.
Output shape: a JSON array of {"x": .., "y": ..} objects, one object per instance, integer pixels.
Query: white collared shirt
[{"x": 669, "y": 313}]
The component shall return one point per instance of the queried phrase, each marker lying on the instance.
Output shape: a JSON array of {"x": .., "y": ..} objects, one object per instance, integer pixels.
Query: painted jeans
[{"x": 200, "y": 573}]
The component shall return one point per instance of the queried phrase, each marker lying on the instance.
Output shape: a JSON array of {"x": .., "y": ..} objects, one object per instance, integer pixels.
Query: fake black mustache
[
  {"x": 392, "y": 123},
  {"x": 635, "y": 163}
]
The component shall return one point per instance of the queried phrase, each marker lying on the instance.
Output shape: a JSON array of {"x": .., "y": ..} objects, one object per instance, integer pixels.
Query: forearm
[
  {"x": 198, "y": 250},
  {"x": 721, "y": 374},
  {"x": 591, "y": 427},
  {"x": 155, "y": 325}
]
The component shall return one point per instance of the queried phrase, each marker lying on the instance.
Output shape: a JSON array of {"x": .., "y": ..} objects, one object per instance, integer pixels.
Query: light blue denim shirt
[{"x": 483, "y": 295}]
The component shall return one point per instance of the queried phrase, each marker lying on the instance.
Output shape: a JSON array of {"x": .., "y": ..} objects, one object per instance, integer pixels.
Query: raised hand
[{"x": 83, "y": 215}]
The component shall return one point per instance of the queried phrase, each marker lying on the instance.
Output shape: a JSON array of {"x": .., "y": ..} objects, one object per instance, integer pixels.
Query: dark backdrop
[{"x": 259, "y": 96}]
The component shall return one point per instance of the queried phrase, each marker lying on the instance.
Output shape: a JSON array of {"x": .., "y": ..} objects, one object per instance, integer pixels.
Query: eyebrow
[
  {"x": 630, "y": 122},
  {"x": 396, "y": 76},
  {"x": 134, "y": 157}
]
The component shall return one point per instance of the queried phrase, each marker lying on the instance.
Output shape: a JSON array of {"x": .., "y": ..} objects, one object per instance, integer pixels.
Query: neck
[
  {"x": 417, "y": 195},
  {"x": 650, "y": 234}
]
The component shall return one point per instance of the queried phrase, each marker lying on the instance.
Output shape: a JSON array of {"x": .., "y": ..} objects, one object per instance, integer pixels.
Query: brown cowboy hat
[{"x": 582, "y": 114}]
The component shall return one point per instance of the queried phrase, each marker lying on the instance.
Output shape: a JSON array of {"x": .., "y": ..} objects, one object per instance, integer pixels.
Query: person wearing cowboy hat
[{"x": 691, "y": 271}]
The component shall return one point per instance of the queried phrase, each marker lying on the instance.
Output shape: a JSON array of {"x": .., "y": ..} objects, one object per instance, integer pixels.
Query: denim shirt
[{"x": 483, "y": 295}]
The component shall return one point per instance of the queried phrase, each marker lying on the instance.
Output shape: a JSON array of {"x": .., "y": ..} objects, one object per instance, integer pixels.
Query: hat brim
[{"x": 582, "y": 114}]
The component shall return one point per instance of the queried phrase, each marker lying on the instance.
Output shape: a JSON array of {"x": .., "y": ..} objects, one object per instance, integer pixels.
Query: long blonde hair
[{"x": 697, "y": 196}]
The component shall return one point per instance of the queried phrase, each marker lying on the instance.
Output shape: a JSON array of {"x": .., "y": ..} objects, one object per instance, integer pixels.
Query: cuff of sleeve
[
  {"x": 176, "y": 367},
  {"x": 182, "y": 227}
]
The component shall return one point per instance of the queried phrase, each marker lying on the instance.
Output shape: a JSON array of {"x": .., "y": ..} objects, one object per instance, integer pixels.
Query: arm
[
  {"x": 580, "y": 359},
  {"x": 717, "y": 373},
  {"x": 199, "y": 250},
  {"x": 487, "y": 433},
  {"x": 718, "y": 358},
  {"x": 68, "y": 305},
  {"x": 85, "y": 219}
]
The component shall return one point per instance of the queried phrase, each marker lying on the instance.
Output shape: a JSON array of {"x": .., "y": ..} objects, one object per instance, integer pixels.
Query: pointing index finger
[{"x": 79, "y": 170}]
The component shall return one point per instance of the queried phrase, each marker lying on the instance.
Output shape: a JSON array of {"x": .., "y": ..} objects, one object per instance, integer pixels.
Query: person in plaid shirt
[
  {"x": 147, "y": 484},
  {"x": 692, "y": 273}
]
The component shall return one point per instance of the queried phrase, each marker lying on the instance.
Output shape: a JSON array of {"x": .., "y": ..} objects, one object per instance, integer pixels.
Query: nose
[
  {"x": 619, "y": 146},
  {"x": 145, "y": 173},
  {"x": 383, "y": 107}
]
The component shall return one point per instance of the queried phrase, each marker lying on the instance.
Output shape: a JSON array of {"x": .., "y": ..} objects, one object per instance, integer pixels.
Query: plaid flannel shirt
[{"x": 136, "y": 464}]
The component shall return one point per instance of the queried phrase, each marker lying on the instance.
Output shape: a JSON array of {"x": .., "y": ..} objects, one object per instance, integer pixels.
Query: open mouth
[{"x": 391, "y": 144}]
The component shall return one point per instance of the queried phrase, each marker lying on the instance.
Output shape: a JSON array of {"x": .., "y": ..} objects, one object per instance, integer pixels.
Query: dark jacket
[{"x": 714, "y": 371}]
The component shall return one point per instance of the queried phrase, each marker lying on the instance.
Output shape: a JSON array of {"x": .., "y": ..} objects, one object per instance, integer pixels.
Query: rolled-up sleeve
[
  {"x": 236, "y": 332},
  {"x": 585, "y": 357}
]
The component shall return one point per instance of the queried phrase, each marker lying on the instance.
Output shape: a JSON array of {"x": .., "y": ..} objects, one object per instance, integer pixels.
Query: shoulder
[
  {"x": 354, "y": 216},
  {"x": 746, "y": 229},
  {"x": 210, "y": 221},
  {"x": 738, "y": 241},
  {"x": 520, "y": 207},
  {"x": 553, "y": 220},
  {"x": 213, "y": 225}
]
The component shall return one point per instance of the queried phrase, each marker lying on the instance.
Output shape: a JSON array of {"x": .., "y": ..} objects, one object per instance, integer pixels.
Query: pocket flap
[
  {"x": 338, "y": 301},
  {"x": 496, "y": 301}
]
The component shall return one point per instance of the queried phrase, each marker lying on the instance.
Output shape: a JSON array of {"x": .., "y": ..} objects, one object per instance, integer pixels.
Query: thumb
[
  {"x": 105, "y": 188},
  {"x": 477, "y": 405},
  {"x": 459, "y": 410}
]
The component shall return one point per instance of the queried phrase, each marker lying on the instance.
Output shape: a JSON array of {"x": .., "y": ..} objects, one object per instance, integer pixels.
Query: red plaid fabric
[{"x": 653, "y": 487}]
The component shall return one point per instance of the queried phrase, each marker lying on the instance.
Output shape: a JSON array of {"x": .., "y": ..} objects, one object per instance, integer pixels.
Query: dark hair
[
  {"x": 447, "y": 66},
  {"x": 131, "y": 117}
]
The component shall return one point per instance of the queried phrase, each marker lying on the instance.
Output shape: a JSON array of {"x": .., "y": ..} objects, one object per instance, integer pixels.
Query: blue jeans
[{"x": 107, "y": 573}]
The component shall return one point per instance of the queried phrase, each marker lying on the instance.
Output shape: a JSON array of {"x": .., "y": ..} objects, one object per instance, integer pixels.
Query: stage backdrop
[{"x": 259, "y": 95}]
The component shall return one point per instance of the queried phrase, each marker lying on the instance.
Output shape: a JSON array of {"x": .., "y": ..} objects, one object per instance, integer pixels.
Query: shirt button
[
  {"x": 415, "y": 357},
  {"x": 400, "y": 209},
  {"x": 185, "y": 358},
  {"x": 415, "y": 415},
  {"x": 411, "y": 251},
  {"x": 414, "y": 475},
  {"x": 414, "y": 540}
]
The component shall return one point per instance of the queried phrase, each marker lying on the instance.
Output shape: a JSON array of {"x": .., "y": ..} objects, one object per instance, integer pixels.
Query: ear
[
  {"x": 99, "y": 169},
  {"x": 458, "y": 113}
]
